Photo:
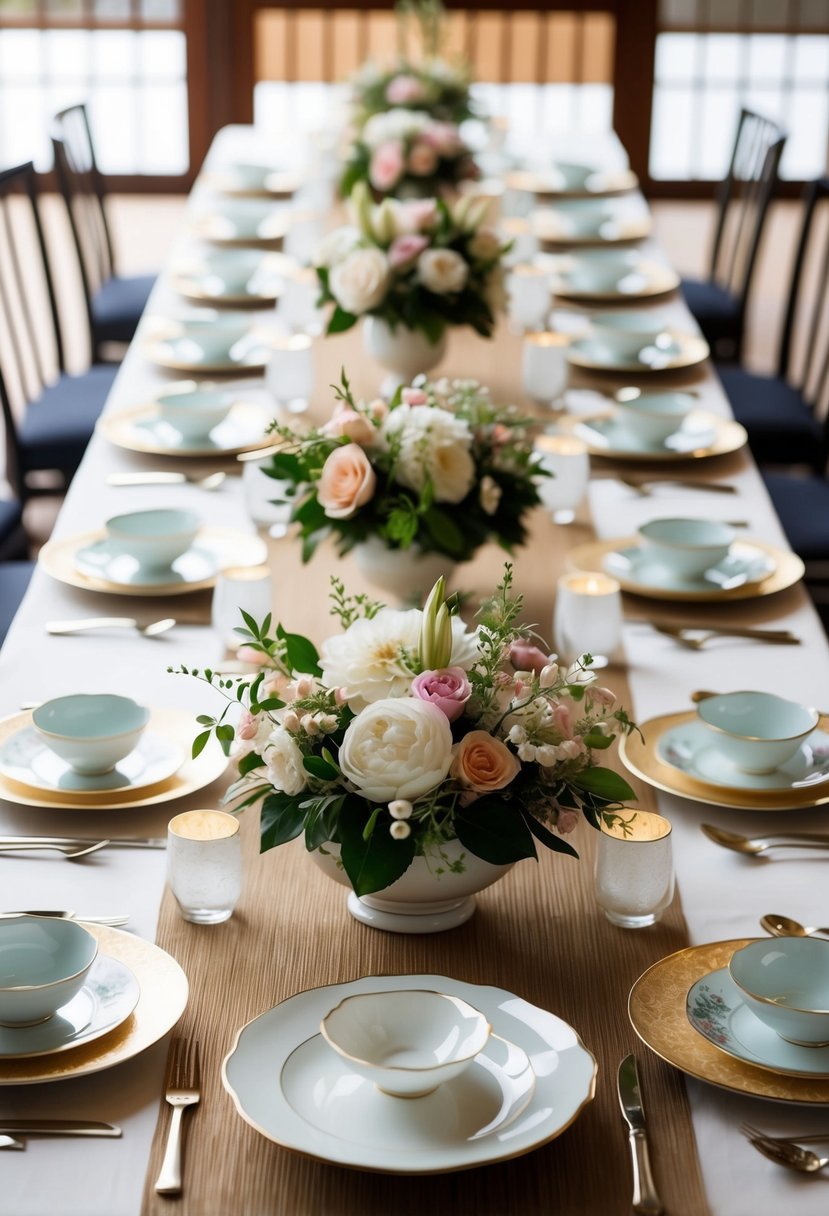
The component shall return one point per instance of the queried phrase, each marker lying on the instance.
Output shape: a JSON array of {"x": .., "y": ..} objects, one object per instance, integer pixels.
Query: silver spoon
[
  {"x": 792, "y": 1155},
  {"x": 784, "y": 926},
  {"x": 153, "y": 630},
  {"x": 211, "y": 482},
  {"x": 70, "y": 851}
]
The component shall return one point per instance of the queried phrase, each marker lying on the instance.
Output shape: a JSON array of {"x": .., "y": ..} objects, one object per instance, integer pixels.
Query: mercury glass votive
[
  {"x": 544, "y": 366},
  {"x": 634, "y": 869},
  {"x": 587, "y": 617},
  {"x": 524, "y": 241},
  {"x": 528, "y": 291},
  {"x": 204, "y": 865},
  {"x": 290, "y": 371},
  {"x": 567, "y": 461},
  {"x": 240, "y": 589}
]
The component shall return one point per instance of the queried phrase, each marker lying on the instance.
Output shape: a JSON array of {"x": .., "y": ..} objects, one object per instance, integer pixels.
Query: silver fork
[
  {"x": 182, "y": 1090},
  {"x": 695, "y": 637},
  {"x": 756, "y": 1133}
]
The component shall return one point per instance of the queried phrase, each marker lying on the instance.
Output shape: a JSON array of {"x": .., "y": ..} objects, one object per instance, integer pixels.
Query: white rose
[
  {"x": 336, "y": 246},
  {"x": 442, "y": 271},
  {"x": 393, "y": 124},
  {"x": 485, "y": 245},
  {"x": 284, "y": 762},
  {"x": 359, "y": 283},
  {"x": 398, "y": 748},
  {"x": 432, "y": 443}
]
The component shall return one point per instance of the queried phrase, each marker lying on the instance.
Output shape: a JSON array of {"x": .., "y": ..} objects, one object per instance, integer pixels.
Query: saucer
[
  {"x": 701, "y": 434},
  {"x": 605, "y": 277},
  {"x": 242, "y": 221},
  {"x": 742, "y": 578},
  {"x": 573, "y": 181},
  {"x": 106, "y": 559},
  {"x": 575, "y": 222},
  {"x": 493, "y": 1116},
  {"x": 660, "y": 351},
  {"x": 238, "y": 276},
  {"x": 209, "y": 344},
  {"x": 253, "y": 181},
  {"x": 744, "y": 564},
  {"x": 24, "y": 757},
  {"x": 141, "y": 429},
  {"x": 690, "y": 749},
  {"x": 106, "y": 1000},
  {"x": 716, "y": 1009}
]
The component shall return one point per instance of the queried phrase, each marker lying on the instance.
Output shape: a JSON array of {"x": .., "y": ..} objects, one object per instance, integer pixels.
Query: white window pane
[
  {"x": 66, "y": 54},
  {"x": 811, "y": 57},
  {"x": 676, "y": 57},
  {"x": 723, "y": 56},
  {"x": 112, "y": 116},
  {"x": 595, "y": 107},
  {"x": 163, "y": 126},
  {"x": 717, "y": 128},
  {"x": 21, "y": 54},
  {"x": 671, "y": 133},
  {"x": 768, "y": 102},
  {"x": 766, "y": 57},
  {"x": 113, "y": 54},
  {"x": 22, "y": 126},
  {"x": 162, "y": 55},
  {"x": 805, "y": 153}
]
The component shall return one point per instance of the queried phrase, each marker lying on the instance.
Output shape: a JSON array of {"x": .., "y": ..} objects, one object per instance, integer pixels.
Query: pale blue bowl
[
  {"x": 194, "y": 412},
  {"x": 652, "y": 417},
  {"x": 91, "y": 731},
  {"x": 785, "y": 983},
  {"x": 43, "y": 964},
  {"x": 154, "y": 538},
  {"x": 686, "y": 547},
  {"x": 756, "y": 731}
]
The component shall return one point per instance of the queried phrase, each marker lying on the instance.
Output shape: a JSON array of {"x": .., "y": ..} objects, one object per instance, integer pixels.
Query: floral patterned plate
[{"x": 716, "y": 1009}]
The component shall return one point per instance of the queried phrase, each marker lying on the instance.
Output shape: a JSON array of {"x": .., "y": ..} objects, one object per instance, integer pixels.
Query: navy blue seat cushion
[
  {"x": 14, "y": 579},
  {"x": 802, "y": 503},
  {"x": 710, "y": 302},
  {"x": 12, "y": 537},
  {"x": 117, "y": 306},
  {"x": 781, "y": 427},
  {"x": 56, "y": 428}
]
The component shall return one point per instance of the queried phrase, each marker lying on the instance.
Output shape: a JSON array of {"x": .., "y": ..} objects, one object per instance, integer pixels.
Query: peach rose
[
  {"x": 484, "y": 763},
  {"x": 347, "y": 482},
  {"x": 349, "y": 424}
]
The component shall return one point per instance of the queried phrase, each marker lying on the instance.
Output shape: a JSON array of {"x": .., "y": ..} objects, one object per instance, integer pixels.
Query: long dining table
[{"x": 296, "y": 933}]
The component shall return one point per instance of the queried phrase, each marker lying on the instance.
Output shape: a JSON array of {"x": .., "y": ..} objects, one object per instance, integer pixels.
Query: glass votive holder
[
  {"x": 544, "y": 366},
  {"x": 524, "y": 241},
  {"x": 529, "y": 298},
  {"x": 204, "y": 865},
  {"x": 290, "y": 371},
  {"x": 297, "y": 306},
  {"x": 587, "y": 617},
  {"x": 634, "y": 868},
  {"x": 240, "y": 589},
  {"x": 567, "y": 461},
  {"x": 265, "y": 498}
]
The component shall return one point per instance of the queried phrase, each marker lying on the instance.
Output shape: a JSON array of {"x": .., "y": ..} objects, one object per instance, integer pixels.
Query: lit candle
[
  {"x": 567, "y": 462},
  {"x": 238, "y": 589},
  {"x": 544, "y": 365},
  {"x": 588, "y": 616},
  {"x": 528, "y": 289},
  {"x": 204, "y": 865},
  {"x": 634, "y": 868},
  {"x": 524, "y": 241},
  {"x": 290, "y": 371}
]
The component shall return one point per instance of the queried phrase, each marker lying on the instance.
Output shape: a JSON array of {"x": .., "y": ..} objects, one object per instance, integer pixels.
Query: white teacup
[
  {"x": 154, "y": 538},
  {"x": 686, "y": 547},
  {"x": 757, "y": 731},
  {"x": 194, "y": 410},
  {"x": 653, "y": 417},
  {"x": 785, "y": 983}
]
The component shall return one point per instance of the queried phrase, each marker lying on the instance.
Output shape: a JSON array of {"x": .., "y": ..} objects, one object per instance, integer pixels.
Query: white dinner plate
[
  {"x": 106, "y": 559},
  {"x": 267, "y": 1074},
  {"x": 716, "y": 1010},
  {"x": 229, "y": 342},
  {"x": 232, "y": 276},
  {"x": 25, "y": 757},
  {"x": 245, "y": 221},
  {"x": 691, "y": 748},
  {"x": 107, "y": 999},
  {"x": 745, "y": 564}
]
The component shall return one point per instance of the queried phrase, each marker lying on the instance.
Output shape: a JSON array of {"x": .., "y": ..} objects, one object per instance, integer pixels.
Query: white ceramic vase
[
  {"x": 420, "y": 901},
  {"x": 405, "y": 353},
  {"x": 406, "y": 575}
]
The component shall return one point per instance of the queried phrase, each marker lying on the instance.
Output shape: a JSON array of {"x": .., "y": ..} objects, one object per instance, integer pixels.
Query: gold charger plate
[
  {"x": 212, "y": 227},
  {"x": 620, "y": 181},
  {"x": 187, "y": 275},
  {"x": 127, "y": 429},
  {"x": 280, "y": 183},
  {"x": 659, "y": 280},
  {"x": 692, "y": 350},
  {"x": 164, "y": 991},
  {"x": 729, "y": 436},
  {"x": 639, "y": 755},
  {"x": 788, "y": 570},
  {"x": 57, "y": 557},
  {"x": 193, "y": 775},
  {"x": 656, "y": 1008}
]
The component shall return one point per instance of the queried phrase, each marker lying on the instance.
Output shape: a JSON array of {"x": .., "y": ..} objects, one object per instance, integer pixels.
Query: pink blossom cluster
[{"x": 418, "y": 156}]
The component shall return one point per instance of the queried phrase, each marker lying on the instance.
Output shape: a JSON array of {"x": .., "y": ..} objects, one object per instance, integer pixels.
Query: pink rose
[
  {"x": 526, "y": 657},
  {"x": 247, "y": 727},
  {"x": 403, "y": 90},
  {"x": 347, "y": 482},
  {"x": 386, "y": 166},
  {"x": 404, "y": 249},
  {"x": 563, "y": 720},
  {"x": 417, "y": 215},
  {"x": 422, "y": 160},
  {"x": 567, "y": 821},
  {"x": 246, "y": 654},
  {"x": 484, "y": 763},
  {"x": 448, "y": 689},
  {"x": 444, "y": 138},
  {"x": 414, "y": 396},
  {"x": 350, "y": 425}
]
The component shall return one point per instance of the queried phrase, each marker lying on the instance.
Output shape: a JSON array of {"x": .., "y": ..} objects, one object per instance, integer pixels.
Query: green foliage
[{"x": 374, "y": 863}]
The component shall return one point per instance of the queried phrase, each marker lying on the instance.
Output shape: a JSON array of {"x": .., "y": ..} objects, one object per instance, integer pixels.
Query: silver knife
[
  {"x": 59, "y": 1127},
  {"x": 114, "y": 842},
  {"x": 646, "y": 1201}
]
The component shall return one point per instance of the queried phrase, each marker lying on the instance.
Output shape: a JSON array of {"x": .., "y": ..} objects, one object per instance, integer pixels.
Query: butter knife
[
  {"x": 646, "y": 1201},
  {"x": 59, "y": 1127}
]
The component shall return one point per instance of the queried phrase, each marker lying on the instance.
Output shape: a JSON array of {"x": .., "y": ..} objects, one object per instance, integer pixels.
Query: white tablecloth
[{"x": 722, "y": 893}]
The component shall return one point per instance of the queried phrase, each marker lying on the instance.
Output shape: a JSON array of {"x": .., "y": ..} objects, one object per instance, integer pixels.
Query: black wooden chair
[
  {"x": 14, "y": 581},
  {"x": 783, "y": 413},
  {"x": 719, "y": 302},
  {"x": 114, "y": 304},
  {"x": 48, "y": 414}
]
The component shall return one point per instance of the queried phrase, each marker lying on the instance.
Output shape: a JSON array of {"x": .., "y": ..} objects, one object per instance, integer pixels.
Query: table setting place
[{"x": 405, "y": 830}]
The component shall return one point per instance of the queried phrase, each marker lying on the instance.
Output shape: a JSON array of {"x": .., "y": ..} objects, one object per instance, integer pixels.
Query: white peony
[
  {"x": 485, "y": 245},
  {"x": 369, "y": 660},
  {"x": 394, "y": 124},
  {"x": 359, "y": 283},
  {"x": 442, "y": 271},
  {"x": 284, "y": 763},
  {"x": 336, "y": 246},
  {"x": 397, "y": 748},
  {"x": 432, "y": 443}
]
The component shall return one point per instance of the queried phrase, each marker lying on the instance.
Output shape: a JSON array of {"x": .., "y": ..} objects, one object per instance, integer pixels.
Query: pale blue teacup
[
  {"x": 756, "y": 731},
  {"x": 91, "y": 731},
  {"x": 43, "y": 964},
  {"x": 785, "y": 983},
  {"x": 195, "y": 409},
  {"x": 686, "y": 547},
  {"x": 653, "y": 417},
  {"x": 154, "y": 538}
]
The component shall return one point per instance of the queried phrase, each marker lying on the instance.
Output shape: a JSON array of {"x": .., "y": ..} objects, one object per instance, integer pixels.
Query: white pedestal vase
[
  {"x": 405, "y": 574},
  {"x": 405, "y": 353},
  {"x": 420, "y": 901}
]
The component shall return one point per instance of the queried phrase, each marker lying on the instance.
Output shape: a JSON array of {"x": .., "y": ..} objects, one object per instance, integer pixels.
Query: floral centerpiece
[
  {"x": 433, "y": 86},
  {"x": 441, "y": 470},
  {"x": 408, "y": 154},
  {"x": 410, "y": 739}
]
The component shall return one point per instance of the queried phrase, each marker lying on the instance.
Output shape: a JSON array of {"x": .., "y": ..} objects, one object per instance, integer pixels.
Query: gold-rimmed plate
[
  {"x": 193, "y": 775},
  {"x": 701, "y": 435},
  {"x": 162, "y": 1001},
  {"x": 252, "y": 181},
  {"x": 218, "y": 343},
  {"x": 787, "y": 570},
  {"x": 665, "y": 350},
  {"x": 590, "y": 277},
  {"x": 640, "y": 754},
  {"x": 142, "y": 429},
  {"x": 657, "y": 1012},
  {"x": 572, "y": 181},
  {"x": 588, "y": 222},
  {"x": 223, "y": 546},
  {"x": 232, "y": 277}
]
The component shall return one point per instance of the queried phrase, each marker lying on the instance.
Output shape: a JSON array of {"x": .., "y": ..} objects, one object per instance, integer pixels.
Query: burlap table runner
[{"x": 537, "y": 932}]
